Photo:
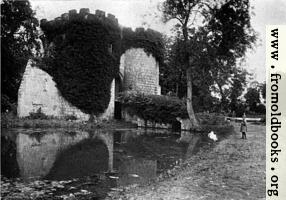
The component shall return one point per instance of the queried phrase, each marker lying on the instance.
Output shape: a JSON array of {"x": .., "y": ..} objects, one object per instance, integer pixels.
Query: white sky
[{"x": 130, "y": 14}]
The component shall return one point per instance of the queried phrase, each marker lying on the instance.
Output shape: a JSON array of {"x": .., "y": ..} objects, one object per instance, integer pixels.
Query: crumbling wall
[
  {"x": 140, "y": 71},
  {"x": 38, "y": 90}
]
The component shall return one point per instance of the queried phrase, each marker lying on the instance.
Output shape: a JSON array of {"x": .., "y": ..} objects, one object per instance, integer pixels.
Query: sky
[{"x": 133, "y": 13}]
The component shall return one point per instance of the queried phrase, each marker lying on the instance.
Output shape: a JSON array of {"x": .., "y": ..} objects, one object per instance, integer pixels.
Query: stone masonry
[
  {"x": 140, "y": 71},
  {"x": 38, "y": 90}
]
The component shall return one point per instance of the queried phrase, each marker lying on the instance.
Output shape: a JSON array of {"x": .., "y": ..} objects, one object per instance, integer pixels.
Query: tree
[
  {"x": 263, "y": 90},
  {"x": 222, "y": 37},
  {"x": 252, "y": 98},
  {"x": 18, "y": 39},
  {"x": 237, "y": 88},
  {"x": 173, "y": 79}
]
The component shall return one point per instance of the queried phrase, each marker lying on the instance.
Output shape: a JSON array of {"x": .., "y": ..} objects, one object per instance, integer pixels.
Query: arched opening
[{"x": 82, "y": 159}]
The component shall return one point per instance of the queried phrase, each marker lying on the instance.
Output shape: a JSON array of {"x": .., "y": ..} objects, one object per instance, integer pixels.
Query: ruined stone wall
[
  {"x": 38, "y": 90},
  {"x": 140, "y": 71}
]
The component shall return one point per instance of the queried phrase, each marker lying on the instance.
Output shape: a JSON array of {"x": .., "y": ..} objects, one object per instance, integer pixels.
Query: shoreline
[
  {"x": 224, "y": 172},
  {"x": 11, "y": 121},
  {"x": 221, "y": 170}
]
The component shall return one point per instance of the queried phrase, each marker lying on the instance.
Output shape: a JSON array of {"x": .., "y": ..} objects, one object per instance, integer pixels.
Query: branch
[
  {"x": 194, "y": 19},
  {"x": 180, "y": 20}
]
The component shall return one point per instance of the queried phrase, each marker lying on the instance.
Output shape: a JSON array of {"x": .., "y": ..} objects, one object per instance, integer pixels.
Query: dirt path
[{"x": 233, "y": 169}]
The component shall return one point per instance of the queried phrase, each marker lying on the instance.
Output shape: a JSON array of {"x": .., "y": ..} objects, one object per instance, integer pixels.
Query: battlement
[
  {"x": 84, "y": 13},
  {"x": 143, "y": 30},
  {"x": 98, "y": 14}
]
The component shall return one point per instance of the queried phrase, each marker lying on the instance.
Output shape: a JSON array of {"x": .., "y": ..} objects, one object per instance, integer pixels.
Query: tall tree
[
  {"x": 215, "y": 35},
  {"x": 173, "y": 78},
  {"x": 237, "y": 87},
  {"x": 252, "y": 98},
  {"x": 18, "y": 40},
  {"x": 263, "y": 90}
]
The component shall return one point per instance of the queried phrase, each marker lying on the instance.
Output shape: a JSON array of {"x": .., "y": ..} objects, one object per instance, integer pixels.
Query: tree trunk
[
  {"x": 190, "y": 109},
  {"x": 189, "y": 63},
  {"x": 223, "y": 97}
]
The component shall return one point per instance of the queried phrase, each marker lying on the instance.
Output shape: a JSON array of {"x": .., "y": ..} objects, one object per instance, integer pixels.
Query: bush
[
  {"x": 263, "y": 119},
  {"x": 260, "y": 109},
  {"x": 37, "y": 115},
  {"x": 7, "y": 119},
  {"x": 70, "y": 117},
  {"x": 240, "y": 110},
  {"x": 211, "y": 119},
  {"x": 7, "y": 106},
  {"x": 157, "y": 108}
]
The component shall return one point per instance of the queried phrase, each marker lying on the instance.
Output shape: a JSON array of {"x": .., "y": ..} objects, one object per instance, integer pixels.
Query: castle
[{"x": 138, "y": 71}]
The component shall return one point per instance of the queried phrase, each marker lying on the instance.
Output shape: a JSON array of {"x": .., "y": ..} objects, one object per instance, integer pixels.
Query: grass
[
  {"x": 233, "y": 169},
  {"x": 9, "y": 120}
]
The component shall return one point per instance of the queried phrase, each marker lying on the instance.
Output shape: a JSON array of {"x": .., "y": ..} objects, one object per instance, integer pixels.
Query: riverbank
[
  {"x": 164, "y": 150},
  {"x": 229, "y": 169},
  {"x": 233, "y": 169},
  {"x": 9, "y": 120}
]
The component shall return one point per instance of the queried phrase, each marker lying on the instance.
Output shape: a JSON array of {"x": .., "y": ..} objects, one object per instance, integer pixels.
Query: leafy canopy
[
  {"x": 18, "y": 39},
  {"x": 214, "y": 35}
]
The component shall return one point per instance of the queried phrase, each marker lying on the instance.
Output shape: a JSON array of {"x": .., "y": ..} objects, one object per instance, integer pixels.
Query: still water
[{"x": 127, "y": 155}]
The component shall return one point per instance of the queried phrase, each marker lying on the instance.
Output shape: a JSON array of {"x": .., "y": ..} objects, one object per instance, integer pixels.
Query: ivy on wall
[
  {"x": 83, "y": 54},
  {"x": 151, "y": 41},
  {"x": 80, "y": 63}
]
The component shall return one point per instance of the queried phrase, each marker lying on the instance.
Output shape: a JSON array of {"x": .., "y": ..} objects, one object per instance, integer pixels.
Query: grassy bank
[
  {"x": 9, "y": 120},
  {"x": 233, "y": 169}
]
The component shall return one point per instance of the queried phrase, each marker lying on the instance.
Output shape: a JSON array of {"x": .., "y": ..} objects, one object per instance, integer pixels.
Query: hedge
[{"x": 157, "y": 108}]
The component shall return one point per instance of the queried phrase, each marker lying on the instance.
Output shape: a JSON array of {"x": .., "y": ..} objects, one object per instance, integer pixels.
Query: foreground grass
[{"x": 233, "y": 169}]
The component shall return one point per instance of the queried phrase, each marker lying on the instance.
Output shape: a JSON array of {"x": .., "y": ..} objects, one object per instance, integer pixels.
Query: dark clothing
[{"x": 243, "y": 129}]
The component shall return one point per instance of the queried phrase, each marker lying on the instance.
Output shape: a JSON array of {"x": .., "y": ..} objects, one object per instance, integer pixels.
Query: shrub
[
  {"x": 263, "y": 119},
  {"x": 240, "y": 110},
  {"x": 211, "y": 119},
  {"x": 260, "y": 109},
  {"x": 70, "y": 117},
  {"x": 7, "y": 119},
  {"x": 7, "y": 106},
  {"x": 158, "y": 108},
  {"x": 37, "y": 115}
]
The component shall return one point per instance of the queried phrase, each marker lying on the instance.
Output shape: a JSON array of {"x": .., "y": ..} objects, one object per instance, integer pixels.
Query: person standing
[{"x": 243, "y": 127}]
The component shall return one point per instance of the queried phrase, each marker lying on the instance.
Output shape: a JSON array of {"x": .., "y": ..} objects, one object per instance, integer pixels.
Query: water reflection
[
  {"x": 88, "y": 157},
  {"x": 191, "y": 141},
  {"x": 36, "y": 156},
  {"x": 132, "y": 155},
  {"x": 137, "y": 171}
]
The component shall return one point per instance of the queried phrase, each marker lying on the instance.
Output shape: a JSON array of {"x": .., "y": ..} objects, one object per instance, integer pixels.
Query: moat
[{"x": 105, "y": 159}]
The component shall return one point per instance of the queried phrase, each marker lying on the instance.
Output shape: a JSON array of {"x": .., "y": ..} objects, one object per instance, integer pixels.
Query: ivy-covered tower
[{"x": 84, "y": 54}]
